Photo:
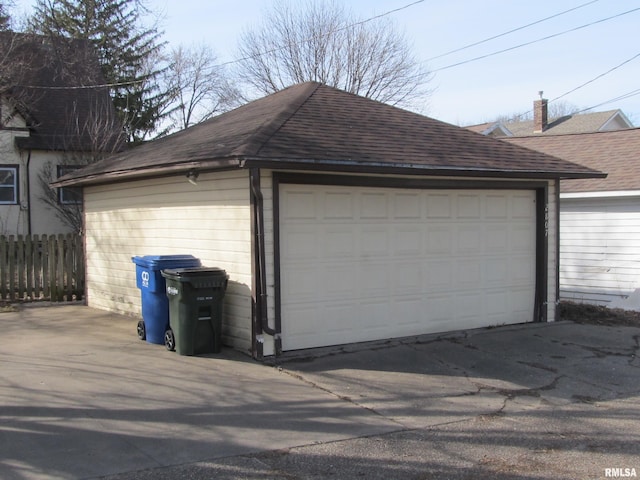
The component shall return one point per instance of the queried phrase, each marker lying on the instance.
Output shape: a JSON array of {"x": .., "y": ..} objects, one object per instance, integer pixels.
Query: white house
[
  {"x": 47, "y": 126},
  {"x": 599, "y": 218},
  {"x": 338, "y": 219}
]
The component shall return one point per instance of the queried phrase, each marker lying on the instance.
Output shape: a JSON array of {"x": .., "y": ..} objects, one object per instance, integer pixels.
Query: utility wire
[
  {"x": 509, "y": 32},
  {"x": 622, "y": 97},
  {"x": 238, "y": 60},
  {"x": 535, "y": 41},
  {"x": 596, "y": 78},
  {"x": 330, "y": 32}
]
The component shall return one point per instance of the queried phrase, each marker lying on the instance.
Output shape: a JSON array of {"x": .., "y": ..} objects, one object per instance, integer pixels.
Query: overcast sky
[{"x": 478, "y": 90}]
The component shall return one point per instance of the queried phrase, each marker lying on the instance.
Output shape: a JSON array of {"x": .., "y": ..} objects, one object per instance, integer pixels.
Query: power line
[
  {"x": 624, "y": 96},
  {"x": 238, "y": 60},
  {"x": 535, "y": 41},
  {"x": 596, "y": 78},
  {"x": 330, "y": 32},
  {"x": 510, "y": 31}
]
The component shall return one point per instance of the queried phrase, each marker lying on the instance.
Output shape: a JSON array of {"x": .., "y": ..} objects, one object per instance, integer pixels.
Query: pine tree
[{"x": 127, "y": 51}]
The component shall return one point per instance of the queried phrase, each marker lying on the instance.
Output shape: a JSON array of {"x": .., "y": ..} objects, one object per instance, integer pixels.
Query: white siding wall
[
  {"x": 169, "y": 216},
  {"x": 14, "y": 219},
  {"x": 599, "y": 249}
]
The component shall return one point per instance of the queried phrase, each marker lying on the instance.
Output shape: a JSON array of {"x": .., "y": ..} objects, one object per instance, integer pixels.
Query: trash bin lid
[
  {"x": 159, "y": 262},
  {"x": 194, "y": 272}
]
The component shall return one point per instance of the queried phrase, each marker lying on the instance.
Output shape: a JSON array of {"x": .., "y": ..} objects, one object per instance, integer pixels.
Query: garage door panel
[
  {"x": 468, "y": 206},
  {"x": 439, "y": 275},
  {"x": 468, "y": 273},
  {"x": 339, "y": 242},
  {"x": 371, "y": 263},
  {"x": 338, "y": 284},
  {"x": 522, "y": 270},
  {"x": 301, "y": 243},
  {"x": 523, "y": 207},
  {"x": 407, "y": 241},
  {"x": 374, "y": 279},
  {"x": 496, "y": 238},
  {"x": 408, "y": 279},
  {"x": 338, "y": 206},
  {"x": 300, "y": 204},
  {"x": 497, "y": 271},
  {"x": 440, "y": 239},
  {"x": 496, "y": 207},
  {"x": 407, "y": 206},
  {"x": 374, "y": 206},
  {"x": 469, "y": 238}
]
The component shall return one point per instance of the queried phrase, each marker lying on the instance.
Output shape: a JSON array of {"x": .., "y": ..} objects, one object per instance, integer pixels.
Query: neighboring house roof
[
  {"x": 313, "y": 126},
  {"x": 491, "y": 129},
  {"x": 615, "y": 152},
  {"x": 570, "y": 124},
  {"x": 46, "y": 80}
]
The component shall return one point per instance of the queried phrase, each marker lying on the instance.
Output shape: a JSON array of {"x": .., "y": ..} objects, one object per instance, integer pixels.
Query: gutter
[
  {"x": 261, "y": 309},
  {"x": 374, "y": 167},
  {"x": 338, "y": 165},
  {"x": 144, "y": 173}
]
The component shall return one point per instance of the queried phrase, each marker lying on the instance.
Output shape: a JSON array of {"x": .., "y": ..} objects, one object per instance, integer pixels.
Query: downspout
[
  {"x": 261, "y": 273},
  {"x": 28, "y": 192}
]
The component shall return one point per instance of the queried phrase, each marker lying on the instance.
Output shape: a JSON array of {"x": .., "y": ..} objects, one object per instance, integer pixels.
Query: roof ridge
[
  {"x": 261, "y": 136},
  {"x": 574, "y": 134}
]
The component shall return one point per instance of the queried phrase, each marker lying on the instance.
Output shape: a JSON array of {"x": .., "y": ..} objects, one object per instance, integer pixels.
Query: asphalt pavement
[{"x": 82, "y": 398}]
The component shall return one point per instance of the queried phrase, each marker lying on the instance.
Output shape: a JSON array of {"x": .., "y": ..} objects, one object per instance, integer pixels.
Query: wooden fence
[{"x": 41, "y": 267}]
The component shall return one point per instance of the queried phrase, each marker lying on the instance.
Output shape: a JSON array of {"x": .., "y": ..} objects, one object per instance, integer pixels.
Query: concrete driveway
[{"x": 81, "y": 397}]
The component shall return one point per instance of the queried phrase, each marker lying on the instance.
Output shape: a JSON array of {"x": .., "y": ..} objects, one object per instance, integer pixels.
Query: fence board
[
  {"x": 12, "y": 266},
  {"x": 4, "y": 265},
  {"x": 49, "y": 267}
]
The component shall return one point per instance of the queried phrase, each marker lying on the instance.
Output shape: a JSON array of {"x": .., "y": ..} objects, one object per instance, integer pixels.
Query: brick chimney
[{"x": 540, "y": 118}]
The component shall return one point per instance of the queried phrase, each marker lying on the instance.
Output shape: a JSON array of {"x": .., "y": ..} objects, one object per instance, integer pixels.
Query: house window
[
  {"x": 68, "y": 195},
  {"x": 9, "y": 185}
]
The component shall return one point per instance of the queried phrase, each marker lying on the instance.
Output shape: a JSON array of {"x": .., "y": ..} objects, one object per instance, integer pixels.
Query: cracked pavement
[{"x": 81, "y": 397}]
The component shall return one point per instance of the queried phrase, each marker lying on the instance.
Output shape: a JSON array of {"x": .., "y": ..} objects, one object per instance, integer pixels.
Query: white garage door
[{"x": 365, "y": 263}]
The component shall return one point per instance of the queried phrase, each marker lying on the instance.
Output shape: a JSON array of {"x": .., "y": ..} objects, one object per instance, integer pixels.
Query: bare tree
[
  {"x": 99, "y": 135},
  {"x": 199, "y": 87},
  {"x": 321, "y": 41}
]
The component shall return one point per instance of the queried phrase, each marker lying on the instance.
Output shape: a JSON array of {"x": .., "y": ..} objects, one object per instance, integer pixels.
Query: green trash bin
[{"x": 195, "y": 309}]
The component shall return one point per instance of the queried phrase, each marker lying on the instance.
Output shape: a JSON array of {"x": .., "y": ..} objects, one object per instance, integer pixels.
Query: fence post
[
  {"x": 28, "y": 265},
  {"x": 12, "y": 267}
]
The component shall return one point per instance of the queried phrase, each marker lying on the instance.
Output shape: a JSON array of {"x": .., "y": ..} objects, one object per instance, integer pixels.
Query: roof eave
[
  {"x": 145, "y": 173},
  {"x": 371, "y": 167},
  {"x": 412, "y": 169}
]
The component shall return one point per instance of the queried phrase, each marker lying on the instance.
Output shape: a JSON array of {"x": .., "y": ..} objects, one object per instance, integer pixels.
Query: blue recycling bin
[{"x": 152, "y": 285}]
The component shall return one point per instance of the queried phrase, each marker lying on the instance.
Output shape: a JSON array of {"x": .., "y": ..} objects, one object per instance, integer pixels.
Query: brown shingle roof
[
  {"x": 45, "y": 77},
  {"x": 616, "y": 153},
  {"x": 318, "y": 127}
]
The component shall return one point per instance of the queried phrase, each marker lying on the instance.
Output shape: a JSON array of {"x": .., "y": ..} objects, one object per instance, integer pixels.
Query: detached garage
[{"x": 339, "y": 219}]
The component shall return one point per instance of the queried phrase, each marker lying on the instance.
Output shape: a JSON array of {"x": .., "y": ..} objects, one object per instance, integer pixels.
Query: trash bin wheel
[
  {"x": 142, "y": 333},
  {"x": 169, "y": 340}
]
